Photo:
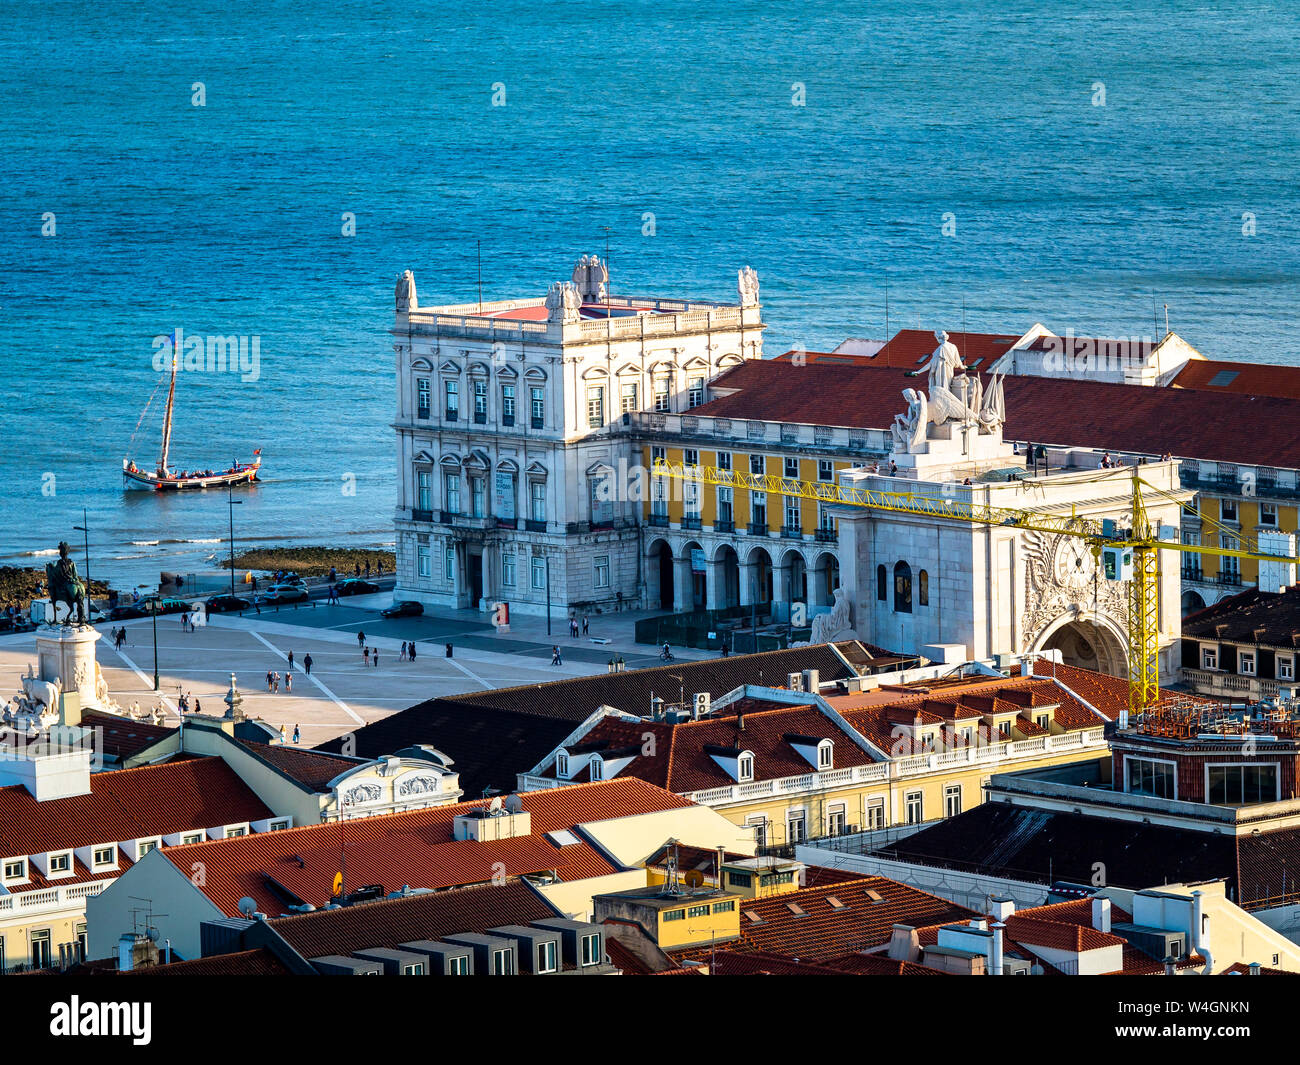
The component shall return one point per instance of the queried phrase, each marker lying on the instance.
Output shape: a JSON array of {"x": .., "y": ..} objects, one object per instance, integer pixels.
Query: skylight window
[
  {"x": 834, "y": 903},
  {"x": 562, "y": 838},
  {"x": 1223, "y": 379}
]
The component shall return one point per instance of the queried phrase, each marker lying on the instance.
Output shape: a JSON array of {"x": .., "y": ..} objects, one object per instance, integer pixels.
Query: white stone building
[{"x": 518, "y": 468}]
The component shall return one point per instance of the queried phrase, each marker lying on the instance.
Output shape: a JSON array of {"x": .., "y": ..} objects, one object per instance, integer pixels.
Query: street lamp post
[
  {"x": 153, "y": 613},
  {"x": 233, "y": 502},
  {"x": 84, "y": 527},
  {"x": 548, "y": 595}
]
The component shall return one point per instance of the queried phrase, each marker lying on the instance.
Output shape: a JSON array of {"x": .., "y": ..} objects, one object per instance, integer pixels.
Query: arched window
[
  {"x": 902, "y": 588},
  {"x": 923, "y": 588},
  {"x": 882, "y": 584}
]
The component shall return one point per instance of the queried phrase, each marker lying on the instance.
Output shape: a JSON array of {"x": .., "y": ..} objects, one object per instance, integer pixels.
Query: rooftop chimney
[
  {"x": 1101, "y": 913},
  {"x": 1001, "y": 908},
  {"x": 135, "y": 950},
  {"x": 904, "y": 943},
  {"x": 997, "y": 963},
  {"x": 1253, "y": 969}
]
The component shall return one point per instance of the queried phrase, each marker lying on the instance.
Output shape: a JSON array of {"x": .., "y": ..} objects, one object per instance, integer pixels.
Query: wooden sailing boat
[{"x": 164, "y": 479}]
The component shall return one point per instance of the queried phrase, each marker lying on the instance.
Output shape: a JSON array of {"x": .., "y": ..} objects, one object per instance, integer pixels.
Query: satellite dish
[
  {"x": 514, "y": 804},
  {"x": 247, "y": 906},
  {"x": 694, "y": 878},
  {"x": 494, "y": 807},
  {"x": 338, "y": 884}
]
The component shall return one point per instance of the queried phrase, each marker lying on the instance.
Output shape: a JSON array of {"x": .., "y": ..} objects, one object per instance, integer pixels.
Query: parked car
[
  {"x": 222, "y": 604},
  {"x": 405, "y": 609},
  {"x": 284, "y": 593},
  {"x": 21, "y": 623},
  {"x": 169, "y": 605},
  {"x": 357, "y": 586},
  {"x": 127, "y": 611}
]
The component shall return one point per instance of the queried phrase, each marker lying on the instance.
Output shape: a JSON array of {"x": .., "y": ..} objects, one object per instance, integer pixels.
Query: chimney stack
[
  {"x": 135, "y": 950},
  {"x": 998, "y": 965},
  {"x": 1101, "y": 913}
]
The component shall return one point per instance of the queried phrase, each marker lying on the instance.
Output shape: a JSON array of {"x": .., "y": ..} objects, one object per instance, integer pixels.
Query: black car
[
  {"x": 128, "y": 611},
  {"x": 406, "y": 609},
  {"x": 356, "y": 586},
  {"x": 222, "y": 604}
]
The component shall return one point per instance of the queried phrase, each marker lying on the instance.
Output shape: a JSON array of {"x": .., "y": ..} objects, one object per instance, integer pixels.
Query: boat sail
[{"x": 164, "y": 479}]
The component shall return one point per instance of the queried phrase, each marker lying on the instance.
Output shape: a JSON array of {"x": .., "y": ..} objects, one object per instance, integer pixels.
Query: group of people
[
  {"x": 183, "y": 704},
  {"x": 118, "y": 636},
  {"x": 297, "y": 734},
  {"x": 273, "y": 682},
  {"x": 187, "y": 621},
  {"x": 573, "y": 625},
  {"x": 407, "y": 653}
]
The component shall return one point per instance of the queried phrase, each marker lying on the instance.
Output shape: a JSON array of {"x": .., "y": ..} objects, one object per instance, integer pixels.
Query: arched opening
[
  {"x": 1088, "y": 645},
  {"x": 693, "y": 553},
  {"x": 761, "y": 573},
  {"x": 728, "y": 563},
  {"x": 1192, "y": 602},
  {"x": 795, "y": 577},
  {"x": 827, "y": 579},
  {"x": 660, "y": 575},
  {"x": 902, "y": 588}
]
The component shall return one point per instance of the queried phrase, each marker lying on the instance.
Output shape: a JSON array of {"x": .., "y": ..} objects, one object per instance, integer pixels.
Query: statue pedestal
[
  {"x": 67, "y": 655},
  {"x": 952, "y": 451}
]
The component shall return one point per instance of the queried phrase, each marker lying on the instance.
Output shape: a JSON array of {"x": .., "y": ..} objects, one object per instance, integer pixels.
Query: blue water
[{"x": 225, "y": 219}]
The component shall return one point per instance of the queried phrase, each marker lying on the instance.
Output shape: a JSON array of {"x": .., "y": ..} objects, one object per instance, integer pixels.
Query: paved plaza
[{"x": 342, "y": 693}]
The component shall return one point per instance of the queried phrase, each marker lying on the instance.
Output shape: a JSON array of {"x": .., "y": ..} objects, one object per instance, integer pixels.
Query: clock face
[{"x": 1074, "y": 565}]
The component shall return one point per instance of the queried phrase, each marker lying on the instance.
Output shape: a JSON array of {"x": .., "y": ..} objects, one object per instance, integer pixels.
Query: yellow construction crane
[{"x": 1122, "y": 553}]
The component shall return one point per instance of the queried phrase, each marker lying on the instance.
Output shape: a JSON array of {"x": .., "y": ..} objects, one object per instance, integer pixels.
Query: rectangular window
[
  {"x": 792, "y": 468},
  {"x": 600, "y": 571},
  {"x": 1241, "y": 785},
  {"x": 952, "y": 800},
  {"x": 757, "y": 466},
  {"x": 627, "y": 398},
  {"x": 41, "y": 949},
  {"x": 836, "y": 820},
  {"x": 1228, "y": 509},
  {"x": 740, "y": 880},
  {"x": 595, "y": 406},
  {"x": 508, "y": 569},
  {"x": 60, "y": 863},
  {"x": 194, "y": 837},
  {"x": 758, "y": 508},
  {"x": 538, "y": 408},
  {"x": 696, "y": 391},
  {"x": 745, "y": 767},
  {"x": 825, "y": 470},
  {"x": 1268, "y": 515},
  {"x": 914, "y": 806},
  {"x": 658, "y": 454},
  {"x": 503, "y": 963},
  {"x": 449, "y": 565},
  {"x": 236, "y": 832},
  {"x": 423, "y": 491},
  {"x": 725, "y": 907},
  {"x": 662, "y": 402},
  {"x": 480, "y": 402},
  {"x": 1229, "y": 566},
  {"x": 793, "y": 513},
  {"x": 690, "y": 457},
  {"x": 1246, "y": 663},
  {"x": 477, "y": 496},
  {"x": 725, "y": 508},
  {"x": 875, "y": 814},
  {"x": 423, "y": 561},
  {"x": 16, "y": 870},
  {"x": 105, "y": 856},
  {"x": 414, "y": 969},
  {"x": 1209, "y": 658},
  {"x": 759, "y": 824},
  {"x": 795, "y": 827},
  {"x": 458, "y": 966},
  {"x": 507, "y": 404},
  {"x": 537, "y": 500},
  {"x": 451, "y": 390},
  {"x": 1144, "y": 776},
  {"x": 590, "y": 949},
  {"x": 539, "y": 573},
  {"x": 546, "y": 957},
  {"x": 674, "y": 915},
  {"x": 724, "y": 460},
  {"x": 1285, "y": 667},
  {"x": 451, "y": 493},
  {"x": 422, "y": 401},
  {"x": 698, "y": 911},
  {"x": 147, "y": 846}
]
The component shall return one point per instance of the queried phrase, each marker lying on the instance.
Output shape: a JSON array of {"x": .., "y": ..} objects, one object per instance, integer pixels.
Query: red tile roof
[
  {"x": 416, "y": 848},
  {"x": 908, "y": 348},
  {"x": 680, "y": 761},
  {"x": 312, "y": 769},
  {"x": 1189, "y": 423},
  {"x": 825, "y": 931},
  {"x": 258, "y": 962},
  {"x": 126, "y": 804},
  {"x": 1256, "y": 379},
  {"x": 121, "y": 737}
]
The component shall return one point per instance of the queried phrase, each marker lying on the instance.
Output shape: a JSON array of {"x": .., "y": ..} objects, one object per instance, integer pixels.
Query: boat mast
[{"x": 167, "y": 419}]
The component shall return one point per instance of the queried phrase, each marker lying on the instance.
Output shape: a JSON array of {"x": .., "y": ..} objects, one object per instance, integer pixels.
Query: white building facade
[{"x": 518, "y": 460}]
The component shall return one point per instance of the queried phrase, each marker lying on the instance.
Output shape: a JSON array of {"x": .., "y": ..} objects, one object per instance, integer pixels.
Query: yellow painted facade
[{"x": 1249, "y": 512}]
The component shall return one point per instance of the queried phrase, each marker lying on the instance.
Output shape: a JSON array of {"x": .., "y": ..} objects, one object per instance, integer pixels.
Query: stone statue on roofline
[
  {"x": 591, "y": 276},
  {"x": 747, "y": 286},
  {"x": 405, "y": 291},
  {"x": 563, "y": 302}
]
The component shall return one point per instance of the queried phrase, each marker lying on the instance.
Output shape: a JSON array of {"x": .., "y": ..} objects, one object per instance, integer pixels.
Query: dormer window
[
  {"x": 825, "y": 754},
  {"x": 745, "y": 767},
  {"x": 104, "y": 856},
  {"x": 15, "y": 869},
  {"x": 562, "y": 764},
  {"x": 60, "y": 863},
  {"x": 596, "y": 768}
]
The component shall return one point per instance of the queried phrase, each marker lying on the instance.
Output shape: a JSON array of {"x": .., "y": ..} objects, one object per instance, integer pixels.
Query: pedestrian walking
[
  {"x": 401, "y": 655},
  {"x": 555, "y": 655},
  {"x": 365, "y": 652},
  {"x": 297, "y": 733},
  {"x": 290, "y": 657},
  {"x": 410, "y": 651},
  {"x": 284, "y": 734},
  {"x": 585, "y": 622},
  {"x": 196, "y": 706},
  {"x": 367, "y": 569},
  {"x": 288, "y": 683},
  {"x": 374, "y": 654},
  {"x": 275, "y": 679},
  {"x": 361, "y": 639},
  {"x": 381, "y": 569},
  {"x": 185, "y": 622},
  {"x": 270, "y": 678},
  {"x": 333, "y": 575},
  {"x": 306, "y": 663}
]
